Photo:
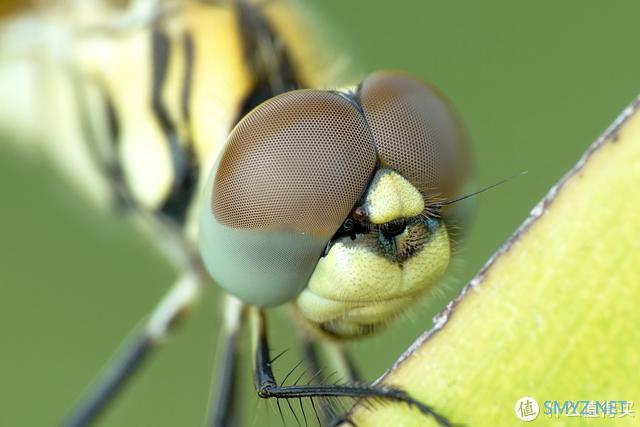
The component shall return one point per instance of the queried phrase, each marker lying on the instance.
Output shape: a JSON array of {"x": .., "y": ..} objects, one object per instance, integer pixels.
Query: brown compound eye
[
  {"x": 300, "y": 161},
  {"x": 290, "y": 174},
  {"x": 416, "y": 132}
]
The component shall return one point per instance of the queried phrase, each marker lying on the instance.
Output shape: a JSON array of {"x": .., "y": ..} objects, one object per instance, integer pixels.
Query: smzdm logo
[{"x": 527, "y": 408}]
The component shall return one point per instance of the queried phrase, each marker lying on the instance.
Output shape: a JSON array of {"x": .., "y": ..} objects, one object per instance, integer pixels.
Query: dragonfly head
[{"x": 334, "y": 201}]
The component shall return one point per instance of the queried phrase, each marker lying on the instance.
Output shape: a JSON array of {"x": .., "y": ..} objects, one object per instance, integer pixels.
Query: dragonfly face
[{"x": 334, "y": 200}]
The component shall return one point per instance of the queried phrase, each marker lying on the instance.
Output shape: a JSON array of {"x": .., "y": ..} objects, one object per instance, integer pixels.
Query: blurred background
[{"x": 535, "y": 82}]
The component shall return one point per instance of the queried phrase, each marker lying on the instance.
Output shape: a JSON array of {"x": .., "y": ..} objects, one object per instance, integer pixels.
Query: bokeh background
[{"x": 536, "y": 83}]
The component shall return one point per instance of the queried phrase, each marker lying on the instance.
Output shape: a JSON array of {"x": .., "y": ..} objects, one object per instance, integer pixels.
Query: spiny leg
[
  {"x": 309, "y": 350},
  {"x": 175, "y": 303},
  {"x": 223, "y": 406},
  {"x": 346, "y": 371},
  {"x": 267, "y": 387}
]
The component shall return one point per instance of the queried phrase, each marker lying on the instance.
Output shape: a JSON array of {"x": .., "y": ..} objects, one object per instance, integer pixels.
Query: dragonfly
[{"x": 210, "y": 125}]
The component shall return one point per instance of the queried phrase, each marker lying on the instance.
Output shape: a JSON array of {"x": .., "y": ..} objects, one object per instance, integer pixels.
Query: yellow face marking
[
  {"x": 354, "y": 286},
  {"x": 391, "y": 197},
  {"x": 368, "y": 280}
]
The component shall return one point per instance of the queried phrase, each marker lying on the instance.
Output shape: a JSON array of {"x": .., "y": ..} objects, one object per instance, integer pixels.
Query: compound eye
[
  {"x": 290, "y": 174},
  {"x": 298, "y": 162},
  {"x": 416, "y": 132}
]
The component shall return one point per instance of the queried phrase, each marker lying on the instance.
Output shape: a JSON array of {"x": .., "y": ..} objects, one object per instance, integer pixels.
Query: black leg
[
  {"x": 114, "y": 379},
  {"x": 137, "y": 351},
  {"x": 309, "y": 350},
  {"x": 223, "y": 408},
  {"x": 267, "y": 387}
]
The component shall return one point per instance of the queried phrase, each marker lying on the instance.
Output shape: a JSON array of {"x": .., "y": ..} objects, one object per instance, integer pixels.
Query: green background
[{"x": 536, "y": 83}]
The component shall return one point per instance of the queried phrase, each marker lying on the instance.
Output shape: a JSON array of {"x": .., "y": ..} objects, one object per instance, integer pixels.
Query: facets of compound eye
[
  {"x": 416, "y": 132},
  {"x": 291, "y": 172}
]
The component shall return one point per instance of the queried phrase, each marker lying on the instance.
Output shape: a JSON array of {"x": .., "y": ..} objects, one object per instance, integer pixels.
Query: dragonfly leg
[
  {"x": 310, "y": 353},
  {"x": 340, "y": 360},
  {"x": 267, "y": 387},
  {"x": 223, "y": 410},
  {"x": 164, "y": 317}
]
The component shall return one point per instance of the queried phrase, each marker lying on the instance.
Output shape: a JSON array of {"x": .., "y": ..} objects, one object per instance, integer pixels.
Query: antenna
[{"x": 475, "y": 193}]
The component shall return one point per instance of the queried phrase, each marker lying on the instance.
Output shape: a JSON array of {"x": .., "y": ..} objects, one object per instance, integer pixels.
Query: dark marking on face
[
  {"x": 397, "y": 240},
  {"x": 402, "y": 246}
]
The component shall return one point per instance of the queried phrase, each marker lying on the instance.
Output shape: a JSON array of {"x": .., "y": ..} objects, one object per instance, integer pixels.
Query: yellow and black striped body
[{"x": 135, "y": 104}]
